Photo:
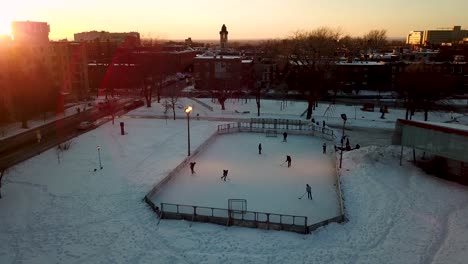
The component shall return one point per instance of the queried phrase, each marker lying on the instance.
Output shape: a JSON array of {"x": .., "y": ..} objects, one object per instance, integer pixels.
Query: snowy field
[
  {"x": 67, "y": 213},
  {"x": 293, "y": 110},
  {"x": 267, "y": 184}
]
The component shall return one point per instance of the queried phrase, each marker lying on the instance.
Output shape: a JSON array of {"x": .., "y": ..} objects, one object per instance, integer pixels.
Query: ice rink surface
[{"x": 263, "y": 180}]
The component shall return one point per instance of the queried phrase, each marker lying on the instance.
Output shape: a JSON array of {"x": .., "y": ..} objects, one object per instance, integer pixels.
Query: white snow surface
[
  {"x": 67, "y": 213},
  {"x": 330, "y": 113},
  {"x": 264, "y": 180}
]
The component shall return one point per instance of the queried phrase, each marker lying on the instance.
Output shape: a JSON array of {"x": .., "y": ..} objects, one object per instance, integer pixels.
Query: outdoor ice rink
[{"x": 268, "y": 185}]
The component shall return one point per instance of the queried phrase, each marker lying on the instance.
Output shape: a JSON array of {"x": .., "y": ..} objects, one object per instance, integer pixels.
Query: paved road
[{"x": 54, "y": 133}]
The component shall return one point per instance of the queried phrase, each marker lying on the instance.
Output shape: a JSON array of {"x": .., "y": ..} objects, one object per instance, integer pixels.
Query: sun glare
[{"x": 5, "y": 23}]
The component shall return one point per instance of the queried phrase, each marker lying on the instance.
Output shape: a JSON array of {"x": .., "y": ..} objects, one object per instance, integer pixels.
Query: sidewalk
[{"x": 13, "y": 129}]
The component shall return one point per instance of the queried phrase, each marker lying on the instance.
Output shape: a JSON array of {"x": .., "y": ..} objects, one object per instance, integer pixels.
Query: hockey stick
[{"x": 302, "y": 196}]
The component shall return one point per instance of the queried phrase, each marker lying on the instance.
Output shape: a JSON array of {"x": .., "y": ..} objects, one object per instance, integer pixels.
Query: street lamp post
[
  {"x": 99, "y": 156},
  {"x": 343, "y": 116},
  {"x": 188, "y": 110}
]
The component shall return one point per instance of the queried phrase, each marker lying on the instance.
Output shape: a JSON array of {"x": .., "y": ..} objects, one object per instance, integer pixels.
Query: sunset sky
[{"x": 245, "y": 19}]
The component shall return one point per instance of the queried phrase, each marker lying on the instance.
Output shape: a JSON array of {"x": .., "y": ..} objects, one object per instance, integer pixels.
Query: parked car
[{"x": 85, "y": 125}]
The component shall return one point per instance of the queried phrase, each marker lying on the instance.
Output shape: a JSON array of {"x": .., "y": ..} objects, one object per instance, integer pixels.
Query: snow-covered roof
[
  {"x": 442, "y": 139},
  {"x": 450, "y": 128},
  {"x": 361, "y": 63},
  {"x": 453, "y": 126},
  {"x": 214, "y": 57}
]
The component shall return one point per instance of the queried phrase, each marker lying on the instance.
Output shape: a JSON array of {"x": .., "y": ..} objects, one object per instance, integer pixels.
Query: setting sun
[{"x": 5, "y": 19}]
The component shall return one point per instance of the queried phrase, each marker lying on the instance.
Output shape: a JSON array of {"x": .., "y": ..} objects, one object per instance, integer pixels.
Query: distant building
[
  {"x": 222, "y": 72},
  {"x": 128, "y": 39},
  {"x": 30, "y": 32},
  {"x": 188, "y": 43},
  {"x": 415, "y": 38},
  {"x": 439, "y": 36},
  {"x": 223, "y": 37},
  {"x": 70, "y": 69}
]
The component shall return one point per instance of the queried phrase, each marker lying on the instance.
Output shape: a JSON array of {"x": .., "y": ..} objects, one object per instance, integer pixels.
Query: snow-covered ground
[
  {"x": 264, "y": 180},
  {"x": 67, "y": 213},
  {"x": 329, "y": 113}
]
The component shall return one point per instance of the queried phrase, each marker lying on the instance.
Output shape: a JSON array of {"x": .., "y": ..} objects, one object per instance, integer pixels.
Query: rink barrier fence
[
  {"x": 338, "y": 187},
  {"x": 249, "y": 218},
  {"x": 264, "y": 125},
  {"x": 228, "y": 217}
]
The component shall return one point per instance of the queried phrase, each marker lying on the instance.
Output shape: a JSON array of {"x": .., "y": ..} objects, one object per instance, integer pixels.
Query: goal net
[
  {"x": 237, "y": 206},
  {"x": 271, "y": 133}
]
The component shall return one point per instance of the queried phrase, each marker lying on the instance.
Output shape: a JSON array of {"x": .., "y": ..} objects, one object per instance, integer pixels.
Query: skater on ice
[
  {"x": 192, "y": 167},
  {"x": 260, "y": 149},
  {"x": 288, "y": 160},
  {"x": 309, "y": 191},
  {"x": 285, "y": 137},
  {"x": 225, "y": 173},
  {"x": 324, "y": 147}
]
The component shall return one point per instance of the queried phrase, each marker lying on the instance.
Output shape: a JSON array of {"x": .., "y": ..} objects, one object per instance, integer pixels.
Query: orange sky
[{"x": 245, "y": 19}]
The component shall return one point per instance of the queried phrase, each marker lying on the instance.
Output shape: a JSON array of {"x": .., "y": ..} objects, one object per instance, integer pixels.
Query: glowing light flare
[
  {"x": 188, "y": 110},
  {"x": 9, "y": 11}
]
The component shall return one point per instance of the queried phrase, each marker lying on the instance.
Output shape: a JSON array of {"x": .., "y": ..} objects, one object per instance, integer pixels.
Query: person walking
[
  {"x": 285, "y": 137},
  {"x": 260, "y": 149},
  {"x": 309, "y": 191},
  {"x": 38, "y": 136},
  {"x": 192, "y": 167},
  {"x": 225, "y": 173},
  {"x": 324, "y": 147},
  {"x": 288, "y": 160},
  {"x": 348, "y": 146}
]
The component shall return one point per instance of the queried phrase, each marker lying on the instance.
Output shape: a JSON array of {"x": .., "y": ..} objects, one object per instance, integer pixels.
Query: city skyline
[{"x": 245, "y": 19}]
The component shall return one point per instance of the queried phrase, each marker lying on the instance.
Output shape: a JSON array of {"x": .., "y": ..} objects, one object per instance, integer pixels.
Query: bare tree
[
  {"x": 376, "y": 39},
  {"x": 421, "y": 88},
  {"x": 172, "y": 99},
  {"x": 311, "y": 55}
]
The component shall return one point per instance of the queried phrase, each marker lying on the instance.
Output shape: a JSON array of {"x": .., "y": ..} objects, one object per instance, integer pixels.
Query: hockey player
[
  {"x": 260, "y": 149},
  {"x": 309, "y": 191},
  {"x": 288, "y": 159},
  {"x": 192, "y": 167},
  {"x": 225, "y": 173},
  {"x": 285, "y": 137},
  {"x": 324, "y": 147}
]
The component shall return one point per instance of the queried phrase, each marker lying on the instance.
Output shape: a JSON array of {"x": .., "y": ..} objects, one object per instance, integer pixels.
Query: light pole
[
  {"x": 343, "y": 116},
  {"x": 99, "y": 156},
  {"x": 188, "y": 110}
]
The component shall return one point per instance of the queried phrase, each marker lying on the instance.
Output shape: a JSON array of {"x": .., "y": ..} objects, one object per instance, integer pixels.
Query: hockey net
[
  {"x": 271, "y": 133},
  {"x": 237, "y": 206}
]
